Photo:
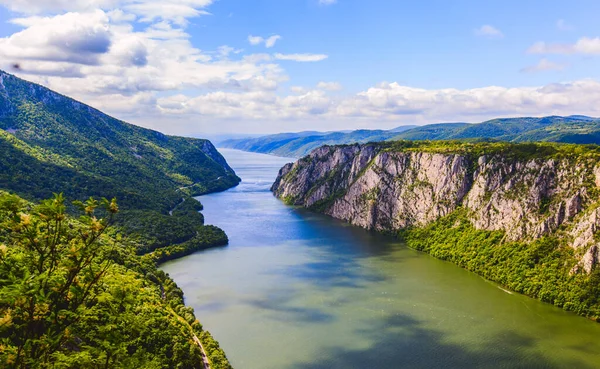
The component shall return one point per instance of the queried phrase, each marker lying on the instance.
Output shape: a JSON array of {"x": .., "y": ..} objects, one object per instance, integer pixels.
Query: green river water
[{"x": 299, "y": 290}]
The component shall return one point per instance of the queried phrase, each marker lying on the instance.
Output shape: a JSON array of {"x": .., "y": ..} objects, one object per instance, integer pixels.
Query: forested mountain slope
[
  {"x": 85, "y": 152},
  {"x": 78, "y": 293},
  {"x": 51, "y": 143},
  {"x": 300, "y": 144},
  {"x": 571, "y": 129}
]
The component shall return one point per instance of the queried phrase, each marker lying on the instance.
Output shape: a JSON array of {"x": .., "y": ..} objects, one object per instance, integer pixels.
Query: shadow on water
[
  {"x": 402, "y": 342},
  {"x": 279, "y": 303}
]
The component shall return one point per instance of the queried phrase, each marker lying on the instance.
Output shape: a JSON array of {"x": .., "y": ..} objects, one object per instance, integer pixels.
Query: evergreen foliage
[{"x": 71, "y": 296}]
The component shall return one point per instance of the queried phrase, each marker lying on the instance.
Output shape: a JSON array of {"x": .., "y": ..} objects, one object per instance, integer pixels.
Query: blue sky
[
  {"x": 197, "y": 67},
  {"x": 429, "y": 44}
]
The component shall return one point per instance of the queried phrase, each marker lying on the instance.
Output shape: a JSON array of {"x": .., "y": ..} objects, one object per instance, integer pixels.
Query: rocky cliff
[{"x": 526, "y": 191}]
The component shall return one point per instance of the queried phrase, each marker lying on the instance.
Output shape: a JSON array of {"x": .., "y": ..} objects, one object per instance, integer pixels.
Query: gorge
[
  {"x": 523, "y": 215},
  {"x": 300, "y": 290}
]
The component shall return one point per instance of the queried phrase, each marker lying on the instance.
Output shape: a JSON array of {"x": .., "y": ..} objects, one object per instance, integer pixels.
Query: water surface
[{"x": 299, "y": 290}]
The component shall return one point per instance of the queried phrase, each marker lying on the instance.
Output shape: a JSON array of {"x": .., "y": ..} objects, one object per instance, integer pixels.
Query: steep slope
[
  {"x": 140, "y": 166},
  {"x": 525, "y": 215},
  {"x": 51, "y": 143}
]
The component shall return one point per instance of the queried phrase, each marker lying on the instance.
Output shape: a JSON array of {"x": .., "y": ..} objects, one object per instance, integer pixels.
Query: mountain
[
  {"x": 81, "y": 288},
  {"x": 571, "y": 129},
  {"x": 301, "y": 143},
  {"x": 524, "y": 215},
  {"x": 52, "y": 143},
  {"x": 85, "y": 152}
]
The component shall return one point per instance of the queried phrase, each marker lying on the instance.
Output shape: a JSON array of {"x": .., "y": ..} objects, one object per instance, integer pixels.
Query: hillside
[
  {"x": 51, "y": 143},
  {"x": 571, "y": 129},
  {"x": 73, "y": 296},
  {"x": 85, "y": 151},
  {"x": 524, "y": 215},
  {"x": 300, "y": 144},
  {"x": 98, "y": 272}
]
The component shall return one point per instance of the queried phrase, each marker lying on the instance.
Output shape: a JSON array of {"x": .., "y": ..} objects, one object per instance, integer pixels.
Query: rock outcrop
[{"x": 387, "y": 188}]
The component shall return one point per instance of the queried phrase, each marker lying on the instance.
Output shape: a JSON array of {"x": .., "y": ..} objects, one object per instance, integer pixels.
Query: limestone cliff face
[{"x": 385, "y": 189}]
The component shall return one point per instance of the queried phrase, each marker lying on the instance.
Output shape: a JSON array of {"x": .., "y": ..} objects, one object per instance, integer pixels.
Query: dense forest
[
  {"x": 73, "y": 296},
  {"x": 80, "y": 285}
]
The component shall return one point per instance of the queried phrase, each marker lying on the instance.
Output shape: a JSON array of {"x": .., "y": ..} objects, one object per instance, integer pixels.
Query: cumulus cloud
[
  {"x": 72, "y": 37},
  {"x": 177, "y": 11},
  {"x": 55, "y": 6},
  {"x": 386, "y": 102},
  {"x": 329, "y": 86},
  {"x": 129, "y": 59},
  {"x": 489, "y": 32},
  {"x": 301, "y": 57},
  {"x": 269, "y": 42},
  {"x": 103, "y": 55},
  {"x": 585, "y": 46},
  {"x": 544, "y": 65}
]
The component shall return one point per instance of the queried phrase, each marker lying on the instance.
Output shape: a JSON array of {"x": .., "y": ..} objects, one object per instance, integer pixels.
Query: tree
[{"x": 50, "y": 271}]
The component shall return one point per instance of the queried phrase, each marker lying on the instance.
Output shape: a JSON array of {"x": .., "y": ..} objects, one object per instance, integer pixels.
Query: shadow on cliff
[{"x": 401, "y": 342}]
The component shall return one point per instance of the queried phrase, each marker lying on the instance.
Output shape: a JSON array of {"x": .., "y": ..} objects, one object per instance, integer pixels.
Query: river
[{"x": 297, "y": 290}]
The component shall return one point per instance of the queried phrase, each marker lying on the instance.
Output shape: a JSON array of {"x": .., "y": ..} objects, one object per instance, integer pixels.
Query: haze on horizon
[{"x": 202, "y": 67}]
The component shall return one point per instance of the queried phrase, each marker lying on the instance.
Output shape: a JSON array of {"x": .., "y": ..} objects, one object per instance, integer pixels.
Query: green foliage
[
  {"x": 150, "y": 230},
  {"x": 206, "y": 237},
  {"x": 51, "y": 143},
  {"x": 540, "y": 269},
  {"x": 301, "y": 144},
  {"x": 572, "y": 129},
  {"x": 73, "y": 297},
  {"x": 74, "y": 293}
]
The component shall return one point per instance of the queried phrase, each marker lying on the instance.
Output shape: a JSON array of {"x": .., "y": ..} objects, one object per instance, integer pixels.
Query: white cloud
[
  {"x": 172, "y": 10},
  {"x": 224, "y": 51},
  {"x": 327, "y": 2},
  {"x": 544, "y": 65},
  {"x": 562, "y": 25},
  {"x": 489, "y": 32},
  {"x": 150, "y": 73},
  {"x": 55, "y": 6},
  {"x": 301, "y": 57},
  {"x": 585, "y": 45},
  {"x": 269, "y": 42},
  {"x": 298, "y": 89},
  {"x": 79, "y": 38},
  {"x": 329, "y": 86},
  {"x": 387, "y": 104},
  {"x": 255, "y": 40}
]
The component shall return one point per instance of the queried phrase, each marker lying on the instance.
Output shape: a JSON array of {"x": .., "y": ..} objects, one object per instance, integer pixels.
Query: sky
[{"x": 203, "y": 67}]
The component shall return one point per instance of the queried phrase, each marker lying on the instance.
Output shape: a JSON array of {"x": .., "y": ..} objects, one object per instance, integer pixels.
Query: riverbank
[{"x": 299, "y": 290}]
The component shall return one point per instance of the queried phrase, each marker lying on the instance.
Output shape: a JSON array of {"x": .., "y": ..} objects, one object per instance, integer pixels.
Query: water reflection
[{"x": 297, "y": 290}]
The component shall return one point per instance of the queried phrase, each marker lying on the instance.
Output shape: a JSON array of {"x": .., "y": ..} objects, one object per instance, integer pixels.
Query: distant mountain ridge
[
  {"x": 301, "y": 143},
  {"x": 570, "y": 129}
]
